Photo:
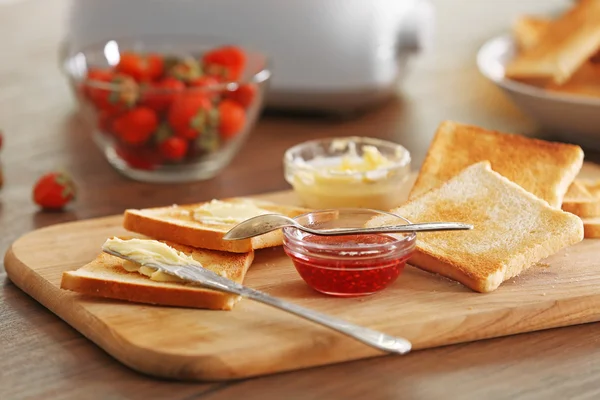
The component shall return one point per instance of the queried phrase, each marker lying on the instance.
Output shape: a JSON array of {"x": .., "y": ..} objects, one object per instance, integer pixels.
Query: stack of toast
[
  {"x": 583, "y": 200},
  {"x": 509, "y": 187},
  {"x": 189, "y": 229},
  {"x": 562, "y": 54}
]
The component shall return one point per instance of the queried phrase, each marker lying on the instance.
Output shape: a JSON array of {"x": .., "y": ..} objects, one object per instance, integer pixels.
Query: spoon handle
[
  {"x": 424, "y": 227},
  {"x": 376, "y": 339}
]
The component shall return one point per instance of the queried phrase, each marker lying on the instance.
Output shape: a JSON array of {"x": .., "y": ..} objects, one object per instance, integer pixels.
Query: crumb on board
[{"x": 541, "y": 265}]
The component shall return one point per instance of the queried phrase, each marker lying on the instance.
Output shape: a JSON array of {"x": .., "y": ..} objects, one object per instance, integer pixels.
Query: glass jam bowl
[
  {"x": 348, "y": 172},
  {"x": 349, "y": 265},
  {"x": 168, "y": 108}
]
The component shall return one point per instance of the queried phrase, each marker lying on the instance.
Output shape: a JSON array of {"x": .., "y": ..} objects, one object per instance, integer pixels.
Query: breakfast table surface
[{"x": 43, "y": 357}]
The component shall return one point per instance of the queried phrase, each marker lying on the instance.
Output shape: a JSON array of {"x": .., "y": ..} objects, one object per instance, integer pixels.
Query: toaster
[{"x": 327, "y": 55}]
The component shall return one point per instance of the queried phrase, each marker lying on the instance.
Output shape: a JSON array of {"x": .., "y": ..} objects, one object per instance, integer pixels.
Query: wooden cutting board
[{"x": 255, "y": 339}]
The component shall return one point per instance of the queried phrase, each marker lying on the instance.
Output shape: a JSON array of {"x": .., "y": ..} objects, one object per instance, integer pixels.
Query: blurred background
[{"x": 387, "y": 69}]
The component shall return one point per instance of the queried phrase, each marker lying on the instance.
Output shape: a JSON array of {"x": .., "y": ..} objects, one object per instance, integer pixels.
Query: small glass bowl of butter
[{"x": 348, "y": 172}]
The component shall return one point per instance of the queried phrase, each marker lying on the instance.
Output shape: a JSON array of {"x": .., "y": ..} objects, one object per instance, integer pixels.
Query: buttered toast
[
  {"x": 112, "y": 277},
  {"x": 545, "y": 169},
  {"x": 512, "y": 228},
  {"x": 203, "y": 225}
]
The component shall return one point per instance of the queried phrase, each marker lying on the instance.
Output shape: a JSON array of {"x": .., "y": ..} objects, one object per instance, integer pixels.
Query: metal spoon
[{"x": 270, "y": 222}]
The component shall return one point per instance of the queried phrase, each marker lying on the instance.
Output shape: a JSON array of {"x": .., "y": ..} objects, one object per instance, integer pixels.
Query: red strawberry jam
[{"x": 351, "y": 265}]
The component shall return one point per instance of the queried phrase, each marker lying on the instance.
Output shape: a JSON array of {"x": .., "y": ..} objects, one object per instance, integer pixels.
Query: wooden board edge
[
  {"x": 97, "y": 331},
  {"x": 577, "y": 310}
]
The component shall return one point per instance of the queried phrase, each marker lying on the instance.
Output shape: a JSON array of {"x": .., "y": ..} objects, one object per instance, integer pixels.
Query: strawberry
[
  {"x": 138, "y": 157},
  {"x": 54, "y": 190},
  {"x": 161, "y": 94},
  {"x": 186, "y": 70},
  {"x": 232, "y": 118},
  {"x": 244, "y": 94},
  {"x": 206, "y": 81},
  {"x": 114, "y": 100},
  {"x": 188, "y": 115},
  {"x": 228, "y": 62},
  {"x": 104, "y": 121},
  {"x": 136, "y": 126},
  {"x": 173, "y": 148},
  {"x": 141, "y": 67},
  {"x": 96, "y": 75}
]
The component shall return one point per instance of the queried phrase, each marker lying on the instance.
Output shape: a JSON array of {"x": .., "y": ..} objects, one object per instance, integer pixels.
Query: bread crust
[
  {"x": 591, "y": 228},
  {"x": 106, "y": 277},
  {"x": 563, "y": 47},
  {"x": 512, "y": 228},
  {"x": 164, "y": 223},
  {"x": 545, "y": 169}
]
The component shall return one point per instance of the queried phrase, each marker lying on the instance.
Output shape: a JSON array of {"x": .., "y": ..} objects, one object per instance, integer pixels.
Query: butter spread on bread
[
  {"x": 195, "y": 224},
  {"x": 545, "y": 169},
  {"x": 219, "y": 212},
  {"x": 513, "y": 229},
  {"x": 145, "y": 251},
  {"x": 107, "y": 276}
]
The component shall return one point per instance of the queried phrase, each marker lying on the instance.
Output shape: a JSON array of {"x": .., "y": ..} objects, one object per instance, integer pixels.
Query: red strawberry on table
[{"x": 54, "y": 190}]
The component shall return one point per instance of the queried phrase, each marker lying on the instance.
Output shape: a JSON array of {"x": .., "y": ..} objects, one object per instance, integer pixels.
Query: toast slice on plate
[
  {"x": 580, "y": 201},
  {"x": 543, "y": 168},
  {"x": 591, "y": 227},
  {"x": 527, "y": 30},
  {"x": 203, "y": 225},
  {"x": 513, "y": 229},
  {"x": 112, "y": 277},
  {"x": 566, "y": 44}
]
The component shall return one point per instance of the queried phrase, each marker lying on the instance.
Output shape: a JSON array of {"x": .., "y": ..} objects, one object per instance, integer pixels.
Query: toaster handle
[{"x": 416, "y": 28}]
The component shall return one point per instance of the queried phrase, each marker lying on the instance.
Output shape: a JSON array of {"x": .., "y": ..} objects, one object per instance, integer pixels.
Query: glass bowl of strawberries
[{"x": 168, "y": 109}]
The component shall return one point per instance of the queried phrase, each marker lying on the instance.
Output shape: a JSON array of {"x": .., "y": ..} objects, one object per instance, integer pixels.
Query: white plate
[{"x": 575, "y": 119}]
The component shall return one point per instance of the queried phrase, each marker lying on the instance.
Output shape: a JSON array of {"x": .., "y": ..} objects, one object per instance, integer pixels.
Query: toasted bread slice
[
  {"x": 591, "y": 227},
  {"x": 178, "y": 224},
  {"x": 543, "y": 168},
  {"x": 107, "y": 277},
  {"x": 580, "y": 201},
  {"x": 566, "y": 44},
  {"x": 527, "y": 30},
  {"x": 591, "y": 185},
  {"x": 584, "y": 82},
  {"x": 512, "y": 228}
]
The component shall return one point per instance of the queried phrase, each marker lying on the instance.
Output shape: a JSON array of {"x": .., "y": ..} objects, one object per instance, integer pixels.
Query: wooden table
[{"x": 42, "y": 357}]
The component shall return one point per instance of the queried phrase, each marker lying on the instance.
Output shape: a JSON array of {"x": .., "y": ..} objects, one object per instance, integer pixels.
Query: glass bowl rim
[
  {"x": 407, "y": 241},
  {"x": 405, "y": 161},
  {"x": 257, "y": 77}
]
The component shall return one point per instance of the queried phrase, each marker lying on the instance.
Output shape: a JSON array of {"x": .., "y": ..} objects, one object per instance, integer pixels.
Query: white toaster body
[{"x": 333, "y": 55}]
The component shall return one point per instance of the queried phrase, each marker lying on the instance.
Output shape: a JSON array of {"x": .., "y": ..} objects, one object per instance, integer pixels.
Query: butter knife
[{"x": 211, "y": 280}]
